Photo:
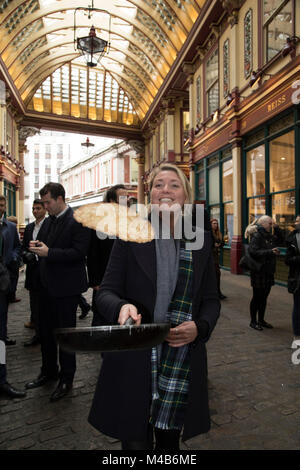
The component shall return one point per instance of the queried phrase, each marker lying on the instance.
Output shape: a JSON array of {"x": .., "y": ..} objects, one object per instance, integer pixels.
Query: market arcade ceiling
[{"x": 50, "y": 76}]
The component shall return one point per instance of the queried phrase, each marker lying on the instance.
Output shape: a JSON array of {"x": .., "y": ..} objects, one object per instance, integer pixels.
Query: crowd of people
[{"x": 155, "y": 282}]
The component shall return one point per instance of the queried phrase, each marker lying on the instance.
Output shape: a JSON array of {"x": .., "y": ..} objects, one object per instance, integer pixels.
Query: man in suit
[
  {"x": 63, "y": 278},
  {"x": 33, "y": 231},
  {"x": 9, "y": 254}
]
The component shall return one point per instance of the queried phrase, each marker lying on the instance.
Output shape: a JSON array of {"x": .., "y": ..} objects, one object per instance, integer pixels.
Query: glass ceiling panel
[{"x": 145, "y": 38}]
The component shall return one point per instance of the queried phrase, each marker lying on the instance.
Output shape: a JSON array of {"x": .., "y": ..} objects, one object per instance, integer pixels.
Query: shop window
[
  {"x": 228, "y": 223},
  {"x": 212, "y": 83},
  {"x": 283, "y": 209},
  {"x": 256, "y": 171},
  {"x": 198, "y": 98},
  {"x": 282, "y": 163},
  {"x": 227, "y": 171},
  {"x": 278, "y": 24},
  {"x": 214, "y": 213},
  {"x": 256, "y": 208},
  {"x": 214, "y": 185}
]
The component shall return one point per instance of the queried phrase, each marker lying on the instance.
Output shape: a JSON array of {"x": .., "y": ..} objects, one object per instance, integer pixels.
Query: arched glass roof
[{"x": 37, "y": 48}]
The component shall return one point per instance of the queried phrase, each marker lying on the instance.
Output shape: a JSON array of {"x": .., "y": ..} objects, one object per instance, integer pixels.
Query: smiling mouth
[{"x": 165, "y": 199}]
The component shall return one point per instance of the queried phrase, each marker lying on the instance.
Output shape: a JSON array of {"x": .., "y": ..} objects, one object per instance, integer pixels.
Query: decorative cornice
[{"x": 232, "y": 7}]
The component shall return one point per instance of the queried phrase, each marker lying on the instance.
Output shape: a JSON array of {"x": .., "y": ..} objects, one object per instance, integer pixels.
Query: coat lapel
[{"x": 61, "y": 225}]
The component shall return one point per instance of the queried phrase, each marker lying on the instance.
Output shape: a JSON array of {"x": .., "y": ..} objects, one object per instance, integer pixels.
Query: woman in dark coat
[
  {"x": 263, "y": 248},
  {"x": 292, "y": 259},
  {"x": 152, "y": 282},
  {"x": 218, "y": 243}
]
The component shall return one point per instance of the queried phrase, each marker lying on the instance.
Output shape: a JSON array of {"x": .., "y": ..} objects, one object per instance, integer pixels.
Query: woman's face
[
  {"x": 167, "y": 190},
  {"x": 214, "y": 225}
]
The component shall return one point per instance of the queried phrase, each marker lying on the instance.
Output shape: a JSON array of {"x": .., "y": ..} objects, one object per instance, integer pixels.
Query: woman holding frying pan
[{"x": 163, "y": 389}]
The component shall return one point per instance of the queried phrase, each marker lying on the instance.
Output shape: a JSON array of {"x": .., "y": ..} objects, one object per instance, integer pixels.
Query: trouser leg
[
  {"x": 48, "y": 343},
  {"x": 66, "y": 318},
  {"x": 296, "y": 314},
  {"x": 254, "y": 304},
  {"x": 167, "y": 439},
  {"x": 3, "y": 334},
  {"x": 263, "y": 303},
  {"x": 34, "y": 299}
]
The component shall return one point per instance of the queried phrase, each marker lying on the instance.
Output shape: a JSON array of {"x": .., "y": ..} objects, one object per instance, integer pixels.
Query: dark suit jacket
[
  {"x": 32, "y": 280},
  {"x": 11, "y": 243},
  {"x": 63, "y": 271},
  {"x": 123, "y": 395}
]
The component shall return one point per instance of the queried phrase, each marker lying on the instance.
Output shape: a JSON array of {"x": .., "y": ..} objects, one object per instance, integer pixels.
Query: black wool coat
[
  {"x": 292, "y": 259},
  {"x": 32, "y": 279},
  {"x": 122, "y": 398},
  {"x": 260, "y": 248},
  {"x": 63, "y": 271}
]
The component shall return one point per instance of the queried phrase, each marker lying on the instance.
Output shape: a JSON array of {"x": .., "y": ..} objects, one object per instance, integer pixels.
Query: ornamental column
[{"x": 237, "y": 239}]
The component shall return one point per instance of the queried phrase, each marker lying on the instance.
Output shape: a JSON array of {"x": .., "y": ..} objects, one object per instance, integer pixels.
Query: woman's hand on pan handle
[
  {"x": 129, "y": 310},
  {"x": 182, "y": 334}
]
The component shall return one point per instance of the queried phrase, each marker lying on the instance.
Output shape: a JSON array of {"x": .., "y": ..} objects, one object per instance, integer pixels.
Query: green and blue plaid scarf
[{"x": 170, "y": 378}]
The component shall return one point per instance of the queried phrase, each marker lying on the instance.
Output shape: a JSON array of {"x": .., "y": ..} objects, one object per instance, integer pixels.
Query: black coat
[
  {"x": 32, "y": 280},
  {"x": 123, "y": 395},
  {"x": 292, "y": 259},
  {"x": 63, "y": 271},
  {"x": 260, "y": 248}
]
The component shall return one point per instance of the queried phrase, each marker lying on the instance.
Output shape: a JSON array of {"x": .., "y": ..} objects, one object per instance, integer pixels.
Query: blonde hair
[
  {"x": 171, "y": 167},
  {"x": 251, "y": 228}
]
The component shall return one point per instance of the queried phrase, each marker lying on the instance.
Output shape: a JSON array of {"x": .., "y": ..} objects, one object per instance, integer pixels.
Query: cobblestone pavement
[{"x": 253, "y": 384}]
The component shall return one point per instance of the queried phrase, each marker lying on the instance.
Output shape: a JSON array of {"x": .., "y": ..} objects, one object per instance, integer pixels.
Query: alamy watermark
[
  {"x": 296, "y": 353},
  {"x": 296, "y": 94},
  {"x": 187, "y": 222},
  {"x": 2, "y": 352}
]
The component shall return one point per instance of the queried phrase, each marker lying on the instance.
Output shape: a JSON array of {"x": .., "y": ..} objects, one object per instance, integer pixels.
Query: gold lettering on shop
[{"x": 276, "y": 103}]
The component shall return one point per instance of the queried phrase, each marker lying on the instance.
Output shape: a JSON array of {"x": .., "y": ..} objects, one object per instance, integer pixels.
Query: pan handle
[{"x": 129, "y": 322}]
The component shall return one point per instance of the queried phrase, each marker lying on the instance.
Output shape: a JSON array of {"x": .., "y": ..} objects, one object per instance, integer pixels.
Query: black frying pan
[{"x": 127, "y": 337}]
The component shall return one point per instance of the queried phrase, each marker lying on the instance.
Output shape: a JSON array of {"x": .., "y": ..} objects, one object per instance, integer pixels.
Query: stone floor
[{"x": 254, "y": 387}]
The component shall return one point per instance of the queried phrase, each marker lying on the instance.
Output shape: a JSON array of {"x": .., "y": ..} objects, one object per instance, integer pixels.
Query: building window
[
  {"x": 59, "y": 150},
  {"x": 226, "y": 65},
  {"x": 185, "y": 127},
  {"x": 134, "y": 170},
  {"x": 198, "y": 98},
  {"x": 162, "y": 140},
  {"x": 212, "y": 83},
  {"x": 48, "y": 151},
  {"x": 271, "y": 176},
  {"x": 10, "y": 195},
  {"x": 248, "y": 52},
  {"x": 278, "y": 25},
  {"x": 36, "y": 150}
]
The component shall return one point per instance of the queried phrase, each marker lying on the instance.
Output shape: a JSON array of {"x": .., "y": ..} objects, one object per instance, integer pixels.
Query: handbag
[{"x": 248, "y": 263}]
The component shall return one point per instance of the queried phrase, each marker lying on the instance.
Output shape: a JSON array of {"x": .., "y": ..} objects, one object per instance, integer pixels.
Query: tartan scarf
[{"x": 171, "y": 374}]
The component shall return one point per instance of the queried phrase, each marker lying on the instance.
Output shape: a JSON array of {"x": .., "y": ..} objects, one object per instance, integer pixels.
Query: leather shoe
[
  {"x": 61, "y": 391},
  {"x": 11, "y": 392},
  {"x": 265, "y": 324},
  {"x": 39, "y": 381},
  {"x": 256, "y": 326},
  {"x": 10, "y": 342},
  {"x": 32, "y": 342}
]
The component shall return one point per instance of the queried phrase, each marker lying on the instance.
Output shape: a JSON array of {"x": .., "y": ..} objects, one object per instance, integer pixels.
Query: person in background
[
  {"x": 263, "y": 247},
  {"x": 163, "y": 389},
  {"x": 292, "y": 259},
  {"x": 218, "y": 243},
  {"x": 63, "y": 278},
  {"x": 9, "y": 251},
  {"x": 14, "y": 271},
  {"x": 33, "y": 231},
  {"x": 99, "y": 253}
]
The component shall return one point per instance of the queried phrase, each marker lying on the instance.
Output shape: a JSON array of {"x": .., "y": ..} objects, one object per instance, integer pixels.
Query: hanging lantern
[{"x": 92, "y": 48}]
